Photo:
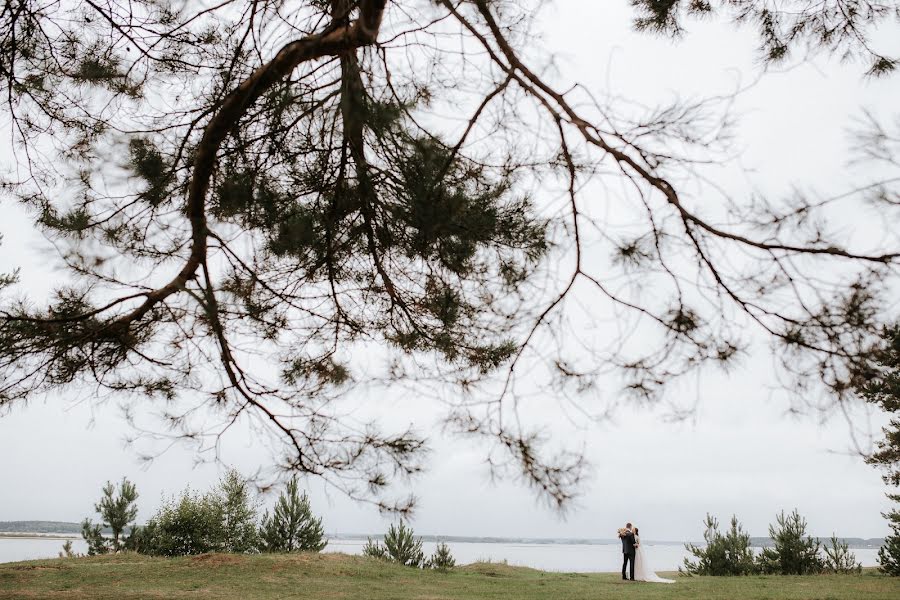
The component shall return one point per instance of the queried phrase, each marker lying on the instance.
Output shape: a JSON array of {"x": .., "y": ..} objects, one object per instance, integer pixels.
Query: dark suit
[{"x": 628, "y": 552}]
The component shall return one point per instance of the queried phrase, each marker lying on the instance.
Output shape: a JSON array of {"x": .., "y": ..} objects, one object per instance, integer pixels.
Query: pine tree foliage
[
  {"x": 6, "y": 279},
  {"x": 374, "y": 549},
  {"x": 442, "y": 559},
  {"x": 722, "y": 554},
  {"x": 67, "y": 551},
  {"x": 93, "y": 536},
  {"x": 838, "y": 26},
  {"x": 794, "y": 552},
  {"x": 292, "y": 527},
  {"x": 238, "y": 509},
  {"x": 889, "y": 553},
  {"x": 117, "y": 511},
  {"x": 247, "y": 185},
  {"x": 400, "y": 546},
  {"x": 838, "y": 558},
  {"x": 403, "y": 547},
  {"x": 882, "y": 388}
]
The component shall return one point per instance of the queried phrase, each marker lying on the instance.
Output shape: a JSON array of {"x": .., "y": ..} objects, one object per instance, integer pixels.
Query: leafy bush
[
  {"x": 442, "y": 560},
  {"x": 727, "y": 554},
  {"x": 794, "y": 553},
  {"x": 191, "y": 524},
  {"x": 222, "y": 520},
  {"x": 292, "y": 527},
  {"x": 839, "y": 559}
]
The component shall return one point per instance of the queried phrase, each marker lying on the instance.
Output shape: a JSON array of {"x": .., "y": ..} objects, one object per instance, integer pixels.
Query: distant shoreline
[
  {"x": 755, "y": 542},
  {"x": 63, "y": 530},
  {"x": 31, "y": 535}
]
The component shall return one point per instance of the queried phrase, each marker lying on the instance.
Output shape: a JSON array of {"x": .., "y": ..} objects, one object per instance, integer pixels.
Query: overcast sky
[{"x": 741, "y": 453}]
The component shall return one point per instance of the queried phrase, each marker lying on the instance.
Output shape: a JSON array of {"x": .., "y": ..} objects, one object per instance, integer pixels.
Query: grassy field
[{"x": 334, "y": 576}]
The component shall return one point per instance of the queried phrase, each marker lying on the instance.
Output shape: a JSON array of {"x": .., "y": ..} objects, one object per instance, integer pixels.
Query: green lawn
[{"x": 327, "y": 576}]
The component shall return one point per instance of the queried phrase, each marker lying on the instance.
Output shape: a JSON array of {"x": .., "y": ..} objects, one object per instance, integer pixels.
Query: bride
[{"x": 642, "y": 568}]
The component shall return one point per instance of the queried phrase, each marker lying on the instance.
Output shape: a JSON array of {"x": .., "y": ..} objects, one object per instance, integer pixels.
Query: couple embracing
[{"x": 635, "y": 556}]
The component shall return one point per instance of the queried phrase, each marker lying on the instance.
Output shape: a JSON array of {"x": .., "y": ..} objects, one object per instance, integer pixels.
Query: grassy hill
[{"x": 339, "y": 576}]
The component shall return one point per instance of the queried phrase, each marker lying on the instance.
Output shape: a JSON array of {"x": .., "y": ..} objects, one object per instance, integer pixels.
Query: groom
[{"x": 628, "y": 549}]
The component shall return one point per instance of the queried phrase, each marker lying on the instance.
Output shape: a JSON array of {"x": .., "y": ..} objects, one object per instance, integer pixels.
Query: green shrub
[
  {"x": 728, "y": 554},
  {"x": 191, "y": 524},
  {"x": 889, "y": 553},
  {"x": 400, "y": 546},
  {"x": 839, "y": 559},
  {"x": 135, "y": 541},
  {"x": 375, "y": 550},
  {"x": 793, "y": 553},
  {"x": 238, "y": 513},
  {"x": 442, "y": 560},
  {"x": 92, "y": 534},
  {"x": 67, "y": 551},
  {"x": 292, "y": 527},
  {"x": 403, "y": 547},
  {"x": 768, "y": 562},
  {"x": 221, "y": 520}
]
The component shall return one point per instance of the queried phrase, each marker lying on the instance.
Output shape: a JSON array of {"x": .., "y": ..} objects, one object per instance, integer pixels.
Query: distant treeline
[
  {"x": 756, "y": 542},
  {"x": 42, "y": 527}
]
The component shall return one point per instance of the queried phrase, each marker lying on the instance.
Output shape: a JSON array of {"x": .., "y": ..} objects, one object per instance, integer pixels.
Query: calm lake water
[
  {"x": 548, "y": 557},
  {"x": 577, "y": 558},
  {"x": 16, "y": 549}
]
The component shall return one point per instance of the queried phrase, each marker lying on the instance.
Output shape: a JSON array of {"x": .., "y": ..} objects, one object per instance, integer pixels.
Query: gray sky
[{"x": 740, "y": 454}]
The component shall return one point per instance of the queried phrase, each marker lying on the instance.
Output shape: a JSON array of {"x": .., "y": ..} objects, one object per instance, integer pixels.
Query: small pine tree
[
  {"x": 839, "y": 559},
  {"x": 794, "y": 552},
  {"x": 728, "y": 554},
  {"x": 442, "y": 560},
  {"x": 117, "y": 511},
  {"x": 67, "y": 551},
  {"x": 292, "y": 527},
  {"x": 889, "y": 553},
  {"x": 375, "y": 549},
  {"x": 403, "y": 547}
]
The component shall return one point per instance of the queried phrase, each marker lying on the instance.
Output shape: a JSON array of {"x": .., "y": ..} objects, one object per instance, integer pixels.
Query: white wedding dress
[{"x": 643, "y": 570}]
